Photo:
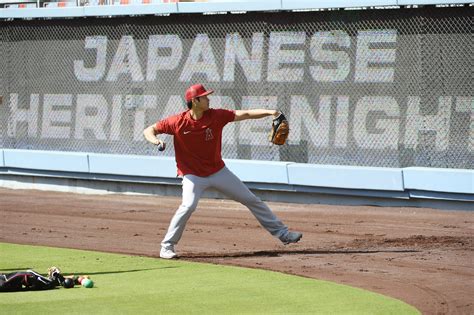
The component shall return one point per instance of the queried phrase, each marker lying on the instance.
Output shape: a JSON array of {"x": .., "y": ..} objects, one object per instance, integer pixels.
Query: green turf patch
[{"x": 140, "y": 285}]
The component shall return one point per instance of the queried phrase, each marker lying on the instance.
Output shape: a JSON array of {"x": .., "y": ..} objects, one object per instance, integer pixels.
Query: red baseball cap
[{"x": 196, "y": 90}]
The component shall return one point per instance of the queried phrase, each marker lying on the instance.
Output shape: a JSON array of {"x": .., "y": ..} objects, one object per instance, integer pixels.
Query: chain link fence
[{"x": 386, "y": 88}]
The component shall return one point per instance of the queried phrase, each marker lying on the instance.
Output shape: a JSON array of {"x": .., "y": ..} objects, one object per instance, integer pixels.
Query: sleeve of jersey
[
  {"x": 165, "y": 126},
  {"x": 226, "y": 115}
]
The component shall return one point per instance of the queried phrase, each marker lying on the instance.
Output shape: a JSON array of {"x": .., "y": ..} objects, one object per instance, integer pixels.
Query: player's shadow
[
  {"x": 277, "y": 253},
  {"x": 118, "y": 271}
]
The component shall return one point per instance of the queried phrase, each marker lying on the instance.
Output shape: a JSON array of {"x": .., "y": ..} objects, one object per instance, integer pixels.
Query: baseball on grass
[
  {"x": 68, "y": 283},
  {"x": 87, "y": 283},
  {"x": 80, "y": 278}
]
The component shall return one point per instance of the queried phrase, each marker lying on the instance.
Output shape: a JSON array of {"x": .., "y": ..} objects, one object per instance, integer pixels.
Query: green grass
[{"x": 140, "y": 285}]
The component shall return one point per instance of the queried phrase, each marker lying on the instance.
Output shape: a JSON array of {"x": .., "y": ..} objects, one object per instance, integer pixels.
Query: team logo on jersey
[{"x": 209, "y": 135}]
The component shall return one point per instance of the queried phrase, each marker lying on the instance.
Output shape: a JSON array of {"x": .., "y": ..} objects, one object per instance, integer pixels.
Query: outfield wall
[{"x": 278, "y": 181}]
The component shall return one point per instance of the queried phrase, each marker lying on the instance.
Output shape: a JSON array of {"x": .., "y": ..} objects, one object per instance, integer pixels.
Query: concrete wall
[{"x": 287, "y": 180}]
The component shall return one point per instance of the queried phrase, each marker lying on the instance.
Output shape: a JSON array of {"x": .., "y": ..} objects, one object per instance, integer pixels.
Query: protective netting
[{"x": 388, "y": 88}]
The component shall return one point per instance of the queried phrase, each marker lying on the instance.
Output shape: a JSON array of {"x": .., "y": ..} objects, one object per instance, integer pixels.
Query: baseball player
[{"x": 197, "y": 141}]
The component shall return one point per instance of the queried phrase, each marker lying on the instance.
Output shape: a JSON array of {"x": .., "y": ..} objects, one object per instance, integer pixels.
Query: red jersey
[{"x": 197, "y": 143}]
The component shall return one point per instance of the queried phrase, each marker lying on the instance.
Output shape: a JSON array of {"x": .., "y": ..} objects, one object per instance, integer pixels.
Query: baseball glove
[{"x": 280, "y": 130}]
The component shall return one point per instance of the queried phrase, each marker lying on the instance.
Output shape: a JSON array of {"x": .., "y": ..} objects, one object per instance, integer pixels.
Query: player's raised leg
[{"x": 229, "y": 184}]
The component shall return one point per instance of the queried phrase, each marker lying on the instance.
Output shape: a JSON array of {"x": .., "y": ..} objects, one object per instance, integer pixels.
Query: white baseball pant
[{"x": 226, "y": 182}]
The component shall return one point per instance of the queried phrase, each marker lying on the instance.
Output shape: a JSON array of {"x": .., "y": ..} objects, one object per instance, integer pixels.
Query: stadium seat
[
  {"x": 61, "y": 4},
  {"x": 20, "y": 6},
  {"x": 134, "y": 2}
]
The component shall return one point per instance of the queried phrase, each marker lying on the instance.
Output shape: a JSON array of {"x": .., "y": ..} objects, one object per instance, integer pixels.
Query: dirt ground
[{"x": 421, "y": 256}]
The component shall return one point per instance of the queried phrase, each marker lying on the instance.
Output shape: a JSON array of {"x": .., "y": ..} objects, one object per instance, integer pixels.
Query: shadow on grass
[
  {"x": 118, "y": 272},
  {"x": 277, "y": 253}
]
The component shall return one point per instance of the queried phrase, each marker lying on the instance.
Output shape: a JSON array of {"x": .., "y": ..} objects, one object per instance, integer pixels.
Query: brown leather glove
[{"x": 280, "y": 130}]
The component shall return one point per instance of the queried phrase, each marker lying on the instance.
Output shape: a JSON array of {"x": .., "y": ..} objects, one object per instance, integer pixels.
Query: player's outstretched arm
[{"x": 254, "y": 114}]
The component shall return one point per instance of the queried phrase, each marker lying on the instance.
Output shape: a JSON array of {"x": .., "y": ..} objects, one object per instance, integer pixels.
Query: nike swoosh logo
[{"x": 186, "y": 132}]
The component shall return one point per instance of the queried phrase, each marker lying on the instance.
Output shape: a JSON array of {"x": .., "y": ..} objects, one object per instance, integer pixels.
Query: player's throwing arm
[{"x": 150, "y": 134}]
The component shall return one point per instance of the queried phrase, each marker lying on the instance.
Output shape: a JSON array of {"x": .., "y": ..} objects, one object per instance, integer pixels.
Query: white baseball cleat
[
  {"x": 291, "y": 237},
  {"x": 168, "y": 252}
]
